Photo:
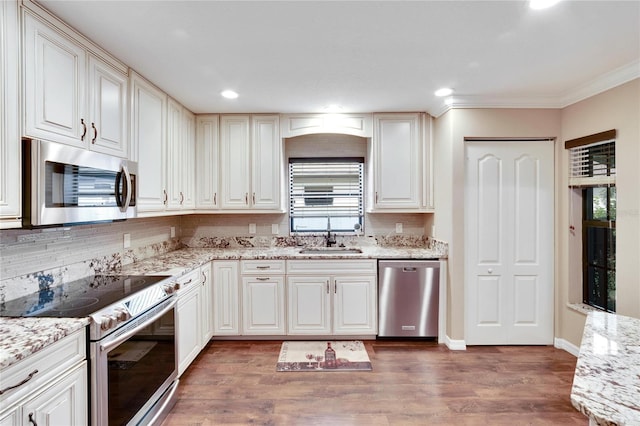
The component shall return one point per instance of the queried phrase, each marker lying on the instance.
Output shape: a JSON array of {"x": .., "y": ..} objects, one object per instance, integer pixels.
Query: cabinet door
[
  {"x": 175, "y": 154},
  {"x": 54, "y": 85},
  {"x": 207, "y": 160},
  {"x": 149, "y": 143},
  {"x": 234, "y": 162},
  {"x": 189, "y": 330},
  {"x": 263, "y": 305},
  {"x": 266, "y": 147},
  {"x": 11, "y": 418},
  {"x": 206, "y": 299},
  {"x": 188, "y": 159},
  {"x": 354, "y": 305},
  {"x": 10, "y": 187},
  {"x": 396, "y": 161},
  {"x": 62, "y": 403},
  {"x": 226, "y": 319},
  {"x": 108, "y": 109},
  {"x": 309, "y": 305}
]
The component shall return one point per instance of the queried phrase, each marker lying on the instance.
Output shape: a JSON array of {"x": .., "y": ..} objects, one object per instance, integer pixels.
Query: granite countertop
[
  {"x": 181, "y": 261},
  {"x": 22, "y": 337},
  {"x": 606, "y": 384}
]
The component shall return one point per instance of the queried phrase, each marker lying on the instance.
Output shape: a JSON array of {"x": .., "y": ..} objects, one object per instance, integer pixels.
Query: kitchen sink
[{"x": 330, "y": 250}]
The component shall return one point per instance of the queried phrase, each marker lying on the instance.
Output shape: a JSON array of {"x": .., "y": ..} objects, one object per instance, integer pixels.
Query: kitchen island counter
[
  {"x": 22, "y": 337},
  {"x": 606, "y": 384}
]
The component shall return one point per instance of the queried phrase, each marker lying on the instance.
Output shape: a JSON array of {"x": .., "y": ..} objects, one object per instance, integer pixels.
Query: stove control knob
[
  {"x": 171, "y": 288},
  {"x": 122, "y": 314},
  {"x": 108, "y": 322}
]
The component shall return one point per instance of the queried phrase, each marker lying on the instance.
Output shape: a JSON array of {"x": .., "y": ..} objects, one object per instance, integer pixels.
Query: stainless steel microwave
[{"x": 63, "y": 185}]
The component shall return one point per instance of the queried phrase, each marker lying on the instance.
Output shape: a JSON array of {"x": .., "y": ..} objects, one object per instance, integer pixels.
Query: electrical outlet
[
  {"x": 399, "y": 228},
  {"x": 127, "y": 240},
  {"x": 173, "y": 232},
  {"x": 252, "y": 228},
  {"x": 274, "y": 228}
]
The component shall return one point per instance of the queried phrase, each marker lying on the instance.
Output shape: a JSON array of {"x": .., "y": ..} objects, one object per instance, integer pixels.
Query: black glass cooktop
[{"x": 78, "y": 298}]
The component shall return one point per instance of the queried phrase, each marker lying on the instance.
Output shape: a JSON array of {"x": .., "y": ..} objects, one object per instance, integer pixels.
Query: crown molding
[{"x": 601, "y": 84}]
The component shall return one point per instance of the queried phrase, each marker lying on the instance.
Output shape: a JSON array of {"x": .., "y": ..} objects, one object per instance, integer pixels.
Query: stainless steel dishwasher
[{"x": 408, "y": 298}]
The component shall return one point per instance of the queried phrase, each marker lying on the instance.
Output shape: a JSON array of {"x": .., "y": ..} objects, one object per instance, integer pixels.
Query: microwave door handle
[{"x": 124, "y": 201}]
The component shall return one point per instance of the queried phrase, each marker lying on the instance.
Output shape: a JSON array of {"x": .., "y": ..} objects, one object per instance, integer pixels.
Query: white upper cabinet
[
  {"x": 10, "y": 201},
  {"x": 266, "y": 155},
  {"x": 148, "y": 136},
  {"x": 181, "y": 157},
  {"x": 250, "y": 163},
  {"x": 399, "y": 164},
  {"x": 107, "y": 108},
  {"x": 207, "y": 160},
  {"x": 73, "y": 92}
]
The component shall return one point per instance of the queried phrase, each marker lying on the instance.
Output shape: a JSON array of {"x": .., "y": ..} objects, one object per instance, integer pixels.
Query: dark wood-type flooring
[{"x": 415, "y": 383}]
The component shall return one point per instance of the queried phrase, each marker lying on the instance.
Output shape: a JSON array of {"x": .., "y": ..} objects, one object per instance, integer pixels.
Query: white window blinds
[
  {"x": 325, "y": 194},
  {"x": 592, "y": 164}
]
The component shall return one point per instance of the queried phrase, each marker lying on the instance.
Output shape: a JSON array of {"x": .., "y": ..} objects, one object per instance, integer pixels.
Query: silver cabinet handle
[
  {"x": 181, "y": 197},
  {"x": 327, "y": 286},
  {"x": 215, "y": 198},
  {"x": 204, "y": 278},
  {"x": 166, "y": 196},
  {"x": 262, "y": 278},
  {"x": 253, "y": 198},
  {"x": 29, "y": 377},
  {"x": 246, "y": 198},
  {"x": 95, "y": 133},
  {"x": 263, "y": 267}
]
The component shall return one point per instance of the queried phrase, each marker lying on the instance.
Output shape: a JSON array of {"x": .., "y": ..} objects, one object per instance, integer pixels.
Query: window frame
[{"x": 307, "y": 196}]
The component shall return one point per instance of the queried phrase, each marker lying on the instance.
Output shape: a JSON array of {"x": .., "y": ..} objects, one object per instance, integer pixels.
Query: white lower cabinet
[
  {"x": 64, "y": 403},
  {"x": 328, "y": 297},
  {"x": 194, "y": 315},
  {"x": 263, "y": 297},
  {"x": 49, "y": 387},
  {"x": 226, "y": 301}
]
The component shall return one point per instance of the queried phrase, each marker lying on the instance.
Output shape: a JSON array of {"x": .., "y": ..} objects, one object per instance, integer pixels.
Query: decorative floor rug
[{"x": 348, "y": 355}]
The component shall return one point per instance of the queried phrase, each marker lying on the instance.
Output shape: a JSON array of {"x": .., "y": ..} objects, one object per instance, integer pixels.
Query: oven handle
[
  {"x": 108, "y": 346},
  {"x": 167, "y": 401}
]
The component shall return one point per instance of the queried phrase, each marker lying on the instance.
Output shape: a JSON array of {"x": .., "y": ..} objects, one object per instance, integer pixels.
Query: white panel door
[
  {"x": 207, "y": 167},
  {"x": 267, "y": 163},
  {"x": 108, "y": 109},
  {"x": 54, "y": 84},
  {"x": 354, "y": 305},
  {"x": 263, "y": 305},
  {"x": 309, "y": 306},
  {"x": 226, "y": 302},
  {"x": 235, "y": 162},
  {"x": 509, "y": 242}
]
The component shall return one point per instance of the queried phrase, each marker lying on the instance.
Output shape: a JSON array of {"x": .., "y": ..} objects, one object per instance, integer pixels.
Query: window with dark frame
[
  {"x": 326, "y": 194},
  {"x": 593, "y": 170}
]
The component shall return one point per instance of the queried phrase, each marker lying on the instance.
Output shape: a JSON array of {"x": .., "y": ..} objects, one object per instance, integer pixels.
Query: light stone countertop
[
  {"x": 21, "y": 337},
  {"x": 182, "y": 261},
  {"x": 606, "y": 384}
]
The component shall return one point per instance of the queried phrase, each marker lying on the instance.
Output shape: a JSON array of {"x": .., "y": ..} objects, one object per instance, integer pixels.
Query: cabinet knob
[{"x": 490, "y": 271}]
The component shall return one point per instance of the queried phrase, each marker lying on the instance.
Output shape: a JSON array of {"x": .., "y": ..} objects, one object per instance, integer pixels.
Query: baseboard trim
[
  {"x": 455, "y": 345},
  {"x": 567, "y": 346}
]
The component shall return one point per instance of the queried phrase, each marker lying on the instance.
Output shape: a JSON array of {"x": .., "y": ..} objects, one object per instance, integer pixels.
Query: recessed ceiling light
[
  {"x": 333, "y": 108},
  {"x": 542, "y": 4},
  {"x": 229, "y": 94},
  {"x": 445, "y": 91}
]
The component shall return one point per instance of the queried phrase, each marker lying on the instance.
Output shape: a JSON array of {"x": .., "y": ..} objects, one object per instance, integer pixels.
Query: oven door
[{"x": 134, "y": 370}]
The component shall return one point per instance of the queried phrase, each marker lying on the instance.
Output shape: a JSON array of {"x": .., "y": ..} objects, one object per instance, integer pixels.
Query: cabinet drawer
[
  {"x": 262, "y": 267},
  {"x": 188, "y": 281},
  {"x": 331, "y": 267},
  {"x": 48, "y": 362}
]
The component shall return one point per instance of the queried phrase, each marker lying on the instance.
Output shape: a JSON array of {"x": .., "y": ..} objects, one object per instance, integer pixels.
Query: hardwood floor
[{"x": 415, "y": 383}]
